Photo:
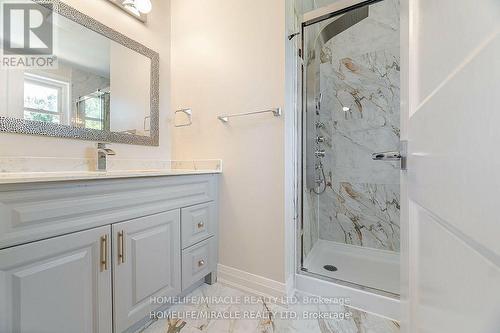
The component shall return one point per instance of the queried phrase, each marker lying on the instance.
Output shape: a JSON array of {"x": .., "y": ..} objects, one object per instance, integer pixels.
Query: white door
[
  {"x": 146, "y": 263},
  {"x": 58, "y": 285},
  {"x": 454, "y": 165}
]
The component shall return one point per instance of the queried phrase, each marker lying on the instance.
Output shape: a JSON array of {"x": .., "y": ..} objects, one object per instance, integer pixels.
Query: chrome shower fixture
[
  {"x": 320, "y": 153},
  {"x": 319, "y": 99},
  {"x": 320, "y": 180}
]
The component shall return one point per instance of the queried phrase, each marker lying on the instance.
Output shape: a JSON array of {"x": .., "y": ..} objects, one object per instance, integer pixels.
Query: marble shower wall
[{"x": 360, "y": 83}]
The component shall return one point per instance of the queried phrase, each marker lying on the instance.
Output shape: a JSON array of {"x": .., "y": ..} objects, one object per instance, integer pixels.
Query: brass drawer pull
[
  {"x": 104, "y": 253},
  {"x": 201, "y": 225},
  {"x": 121, "y": 247},
  {"x": 201, "y": 263}
]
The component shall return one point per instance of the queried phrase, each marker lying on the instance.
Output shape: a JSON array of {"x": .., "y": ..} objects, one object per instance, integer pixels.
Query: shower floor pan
[{"x": 368, "y": 267}]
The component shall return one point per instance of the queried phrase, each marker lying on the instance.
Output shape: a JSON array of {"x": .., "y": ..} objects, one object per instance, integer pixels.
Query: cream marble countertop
[
  {"x": 37, "y": 177},
  {"x": 170, "y": 168}
]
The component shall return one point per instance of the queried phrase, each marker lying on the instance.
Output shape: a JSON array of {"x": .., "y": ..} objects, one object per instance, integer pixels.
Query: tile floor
[{"x": 221, "y": 309}]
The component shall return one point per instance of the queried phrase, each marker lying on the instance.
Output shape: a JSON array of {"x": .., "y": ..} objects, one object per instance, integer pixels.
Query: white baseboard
[
  {"x": 258, "y": 285},
  {"x": 249, "y": 282}
]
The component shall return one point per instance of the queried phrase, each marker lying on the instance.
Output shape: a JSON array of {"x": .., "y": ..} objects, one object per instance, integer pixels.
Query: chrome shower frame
[{"x": 357, "y": 11}]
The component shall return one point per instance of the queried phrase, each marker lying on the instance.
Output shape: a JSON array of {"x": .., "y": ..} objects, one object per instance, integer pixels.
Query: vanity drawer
[
  {"x": 198, "y": 223},
  {"x": 198, "y": 261},
  {"x": 31, "y": 212}
]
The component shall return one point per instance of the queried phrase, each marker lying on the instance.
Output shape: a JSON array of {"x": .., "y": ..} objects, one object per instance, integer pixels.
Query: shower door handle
[
  {"x": 394, "y": 155},
  {"x": 387, "y": 156}
]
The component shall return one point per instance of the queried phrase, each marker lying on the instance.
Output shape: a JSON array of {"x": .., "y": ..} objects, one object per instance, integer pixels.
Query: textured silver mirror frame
[{"x": 21, "y": 126}]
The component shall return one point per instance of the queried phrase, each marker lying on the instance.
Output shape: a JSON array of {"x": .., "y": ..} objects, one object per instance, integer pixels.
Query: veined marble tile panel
[
  {"x": 360, "y": 83},
  {"x": 372, "y": 122},
  {"x": 361, "y": 214}
]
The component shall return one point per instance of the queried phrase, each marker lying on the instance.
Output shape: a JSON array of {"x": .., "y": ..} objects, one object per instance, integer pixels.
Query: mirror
[{"x": 102, "y": 86}]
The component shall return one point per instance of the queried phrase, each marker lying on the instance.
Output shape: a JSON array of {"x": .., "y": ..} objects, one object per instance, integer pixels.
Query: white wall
[
  {"x": 229, "y": 57},
  {"x": 156, "y": 35}
]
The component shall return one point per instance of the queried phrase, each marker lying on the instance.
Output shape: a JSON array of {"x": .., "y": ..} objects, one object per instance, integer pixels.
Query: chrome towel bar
[{"x": 225, "y": 118}]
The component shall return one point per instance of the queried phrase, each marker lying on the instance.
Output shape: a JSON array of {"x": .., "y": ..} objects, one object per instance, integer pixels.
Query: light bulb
[{"x": 143, "y": 6}]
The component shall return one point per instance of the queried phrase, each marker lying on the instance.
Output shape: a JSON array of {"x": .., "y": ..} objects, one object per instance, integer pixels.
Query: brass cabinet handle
[
  {"x": 201, "y": 263},
  {"x": 201, "y": 225},
  {"x": 121, "y": 247},
  {"x": 104, "y": 253}
]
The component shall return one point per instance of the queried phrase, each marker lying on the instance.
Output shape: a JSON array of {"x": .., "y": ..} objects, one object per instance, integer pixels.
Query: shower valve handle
[
  {"x": 387, "y": 156},
  {"x": 394, "y": 155},
  {"x": 391, "y": 156}
]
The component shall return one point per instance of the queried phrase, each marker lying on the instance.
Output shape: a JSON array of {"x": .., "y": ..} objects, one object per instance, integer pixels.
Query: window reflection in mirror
[
  {"x": 92, "y": 111},
  {"x": 80, "y": 99},
  {"x": 43, "y": 99}
]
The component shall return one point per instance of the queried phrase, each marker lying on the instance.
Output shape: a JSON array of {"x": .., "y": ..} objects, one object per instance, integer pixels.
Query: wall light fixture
[{"x": 137, "y": 8}]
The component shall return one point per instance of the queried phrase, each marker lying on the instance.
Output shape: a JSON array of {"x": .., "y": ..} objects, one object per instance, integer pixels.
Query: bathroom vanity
[
  {"x": 87, "y": 253},
  {"x": 85, "y": 250}
]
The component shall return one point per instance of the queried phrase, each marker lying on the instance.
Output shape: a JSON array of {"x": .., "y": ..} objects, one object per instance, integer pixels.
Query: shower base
[{"x": 368, "y": 267}]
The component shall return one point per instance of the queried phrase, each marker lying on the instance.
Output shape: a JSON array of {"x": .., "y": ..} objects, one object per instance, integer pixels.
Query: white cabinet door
[
  {"x": 146, "y": 263},
  {"x": 57, "y": 285}
]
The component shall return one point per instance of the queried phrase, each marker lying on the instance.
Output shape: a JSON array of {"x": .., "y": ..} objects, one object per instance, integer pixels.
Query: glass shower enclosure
[{"x": 350, "y": 229}]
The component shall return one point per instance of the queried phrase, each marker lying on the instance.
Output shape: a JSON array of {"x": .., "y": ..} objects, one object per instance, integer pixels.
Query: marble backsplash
[
  {"x": 56, "y": 164},
  {"x": 360, "y": 83}
]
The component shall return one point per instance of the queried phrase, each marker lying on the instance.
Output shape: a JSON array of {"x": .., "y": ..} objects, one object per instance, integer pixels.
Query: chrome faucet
[{"x": 102, "y": 154}]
